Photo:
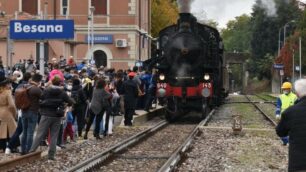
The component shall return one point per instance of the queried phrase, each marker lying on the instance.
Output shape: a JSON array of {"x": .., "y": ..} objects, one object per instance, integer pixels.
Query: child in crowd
[{"x": 69, "y": 129}]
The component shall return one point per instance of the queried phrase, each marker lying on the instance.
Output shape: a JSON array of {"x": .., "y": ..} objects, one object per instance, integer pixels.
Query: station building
[{"x": 121, "y": 30}]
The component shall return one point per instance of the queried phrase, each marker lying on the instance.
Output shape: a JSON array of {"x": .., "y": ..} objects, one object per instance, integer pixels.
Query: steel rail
[
  {"x": 259, "y": 96},
  {"x": 18, "y": 161},
  {"x": 262, "y": 112},
  {"x": 101, "y": 157},
  {"x": 178, "y": 154},
  {"x": 270, "y": 102}
]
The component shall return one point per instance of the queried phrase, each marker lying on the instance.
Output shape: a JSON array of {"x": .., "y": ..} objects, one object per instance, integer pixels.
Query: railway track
[
  {"x": 91, "y": 163},
  {"x": 179, "y": 154},
  {"x": 261, "y": 111},
  {"x": 259, "y": 99},
  {"x": 218, "y": 149},
  {"x": 265, "y": 99},
  {"x": 11, "y": 163},
  {"x": 155, "y": 149}
]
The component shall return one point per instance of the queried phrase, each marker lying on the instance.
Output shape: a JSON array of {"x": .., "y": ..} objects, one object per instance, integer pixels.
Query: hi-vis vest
[{"x": 287, "y": 100}]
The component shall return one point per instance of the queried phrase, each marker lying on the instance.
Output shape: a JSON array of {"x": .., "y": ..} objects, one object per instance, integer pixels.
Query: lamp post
[
  {"x": 285, "y": 32},
  {"x": 279, "y": 47},
  {"x": 279, "y": 40},
  {"x": 293, "y": 66},
  {"x": 92, "y": 9},
  {"x": 285, "y": 29},
  {"x": 88, "y": 33}
]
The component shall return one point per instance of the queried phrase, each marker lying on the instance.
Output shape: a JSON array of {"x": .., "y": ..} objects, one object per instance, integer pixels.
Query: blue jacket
[{"x": 69, "y": 117}]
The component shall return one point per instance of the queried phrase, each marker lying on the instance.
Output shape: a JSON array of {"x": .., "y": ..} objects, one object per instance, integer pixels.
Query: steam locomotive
[{"x": 189, "y": 62}]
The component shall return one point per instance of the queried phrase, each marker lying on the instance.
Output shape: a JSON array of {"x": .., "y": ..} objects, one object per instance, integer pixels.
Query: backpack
[
  {"x": 22, "y": 99},
  {"x": 76, "y": 97}
]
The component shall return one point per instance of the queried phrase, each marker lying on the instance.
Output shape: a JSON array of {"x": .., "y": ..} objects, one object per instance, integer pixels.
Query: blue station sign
[
  {"x": 41, "y": 29},
  {"x": 278, "y": 66},
  {"x": 100, "y": 39}
]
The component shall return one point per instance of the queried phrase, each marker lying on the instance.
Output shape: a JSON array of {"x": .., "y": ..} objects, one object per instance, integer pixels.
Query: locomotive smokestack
[{"x": 184, "y": 5}]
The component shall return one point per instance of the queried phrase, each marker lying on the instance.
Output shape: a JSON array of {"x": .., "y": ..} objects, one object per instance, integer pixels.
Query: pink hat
[{"x": 132, "y": 74}]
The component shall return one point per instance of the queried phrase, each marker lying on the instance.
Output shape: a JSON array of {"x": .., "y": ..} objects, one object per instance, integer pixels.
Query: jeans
[
  {"x": 285, "y": 140},
  {"x": 29, "y": 121},
  {"x": 98, "y": 121},
  {"x": 14, "y": 141},
  {"x": 46, "y": 123},
  {"x": 149, "y": 98},
  {"x": 79, "y": 114}
]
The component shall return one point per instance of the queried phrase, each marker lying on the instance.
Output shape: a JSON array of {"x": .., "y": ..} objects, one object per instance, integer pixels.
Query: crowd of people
[{"x": 66, "y": 101}]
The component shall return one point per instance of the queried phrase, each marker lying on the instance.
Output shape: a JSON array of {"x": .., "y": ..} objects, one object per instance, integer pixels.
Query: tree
[
  {"x": 211, "y": 23},
  {"x": 164, "y": 13},
  {"x": 265, "y": 28},
  {"x": 237, "y": 35},
  {"x": 264, "y": 32},
  {"x": 294, "y": 30}
]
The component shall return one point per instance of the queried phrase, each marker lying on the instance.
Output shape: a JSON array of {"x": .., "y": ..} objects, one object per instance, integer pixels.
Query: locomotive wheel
[
  {"x": 205, "y": 111},
  {"x": 171, "y": 110},
  {"x": 169, "y": 116}
]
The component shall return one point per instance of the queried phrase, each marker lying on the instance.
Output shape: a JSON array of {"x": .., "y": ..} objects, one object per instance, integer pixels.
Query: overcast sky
[{"x": 222, "y": 10}]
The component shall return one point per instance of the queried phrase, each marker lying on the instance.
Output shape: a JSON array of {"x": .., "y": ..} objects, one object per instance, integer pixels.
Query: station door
[{"x": 100, "y": 58}]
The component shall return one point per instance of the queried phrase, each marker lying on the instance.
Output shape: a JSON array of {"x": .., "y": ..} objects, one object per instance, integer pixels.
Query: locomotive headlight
[
  {"x": 206, "y": 77},
  {"x": 162, "y": 77}
]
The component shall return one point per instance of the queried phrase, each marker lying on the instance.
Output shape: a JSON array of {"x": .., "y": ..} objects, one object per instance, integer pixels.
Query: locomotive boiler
[{"x": 189, "y": 62}]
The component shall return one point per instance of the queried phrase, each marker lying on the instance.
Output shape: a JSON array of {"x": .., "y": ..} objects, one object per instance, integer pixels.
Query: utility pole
[
  {"x": 8, "y": 50},
  {"x": 300, "y": 53}
]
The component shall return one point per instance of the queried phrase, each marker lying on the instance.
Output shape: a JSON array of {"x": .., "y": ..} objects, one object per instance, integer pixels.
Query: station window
[
  {"x": 30, "y": 6},
  {"x": 65, "y": 7},
  {"x": 100, "y": 7}
]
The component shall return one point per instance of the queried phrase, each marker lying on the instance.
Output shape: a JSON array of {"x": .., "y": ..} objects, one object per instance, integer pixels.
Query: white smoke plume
[
  {"x": 184, "y": 5},
  {"x": 269, "y": 6}
]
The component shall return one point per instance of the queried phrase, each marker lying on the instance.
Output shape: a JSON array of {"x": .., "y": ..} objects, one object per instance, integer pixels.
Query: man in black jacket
[
  {"x": 293, "y": 124},
  {"x": 52, "y": 109},
  {"x": 130, "y": 98},
  {"x": 120, "y": 90},
  {"x": 78, "y": 95}
]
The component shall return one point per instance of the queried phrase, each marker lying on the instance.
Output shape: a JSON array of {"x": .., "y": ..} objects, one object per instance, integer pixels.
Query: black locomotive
[{"x": 189, "y": 62}]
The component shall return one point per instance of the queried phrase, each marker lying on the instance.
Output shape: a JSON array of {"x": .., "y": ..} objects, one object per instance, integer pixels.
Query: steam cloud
[
  {"x": 269, "y": 7},
  {"x": 184, "y": 5}
]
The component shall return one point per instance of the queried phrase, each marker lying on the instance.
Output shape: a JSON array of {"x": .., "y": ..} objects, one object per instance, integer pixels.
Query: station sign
[
  {"x": 281, "y": 72},
  {"x": 278, "y": 66},
  {"x": 41, "y": 29},
  {"x": 100, "y": 39}
]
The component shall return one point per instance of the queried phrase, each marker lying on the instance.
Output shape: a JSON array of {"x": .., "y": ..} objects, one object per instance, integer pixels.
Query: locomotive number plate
[{"x": 206, "y": 85}]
